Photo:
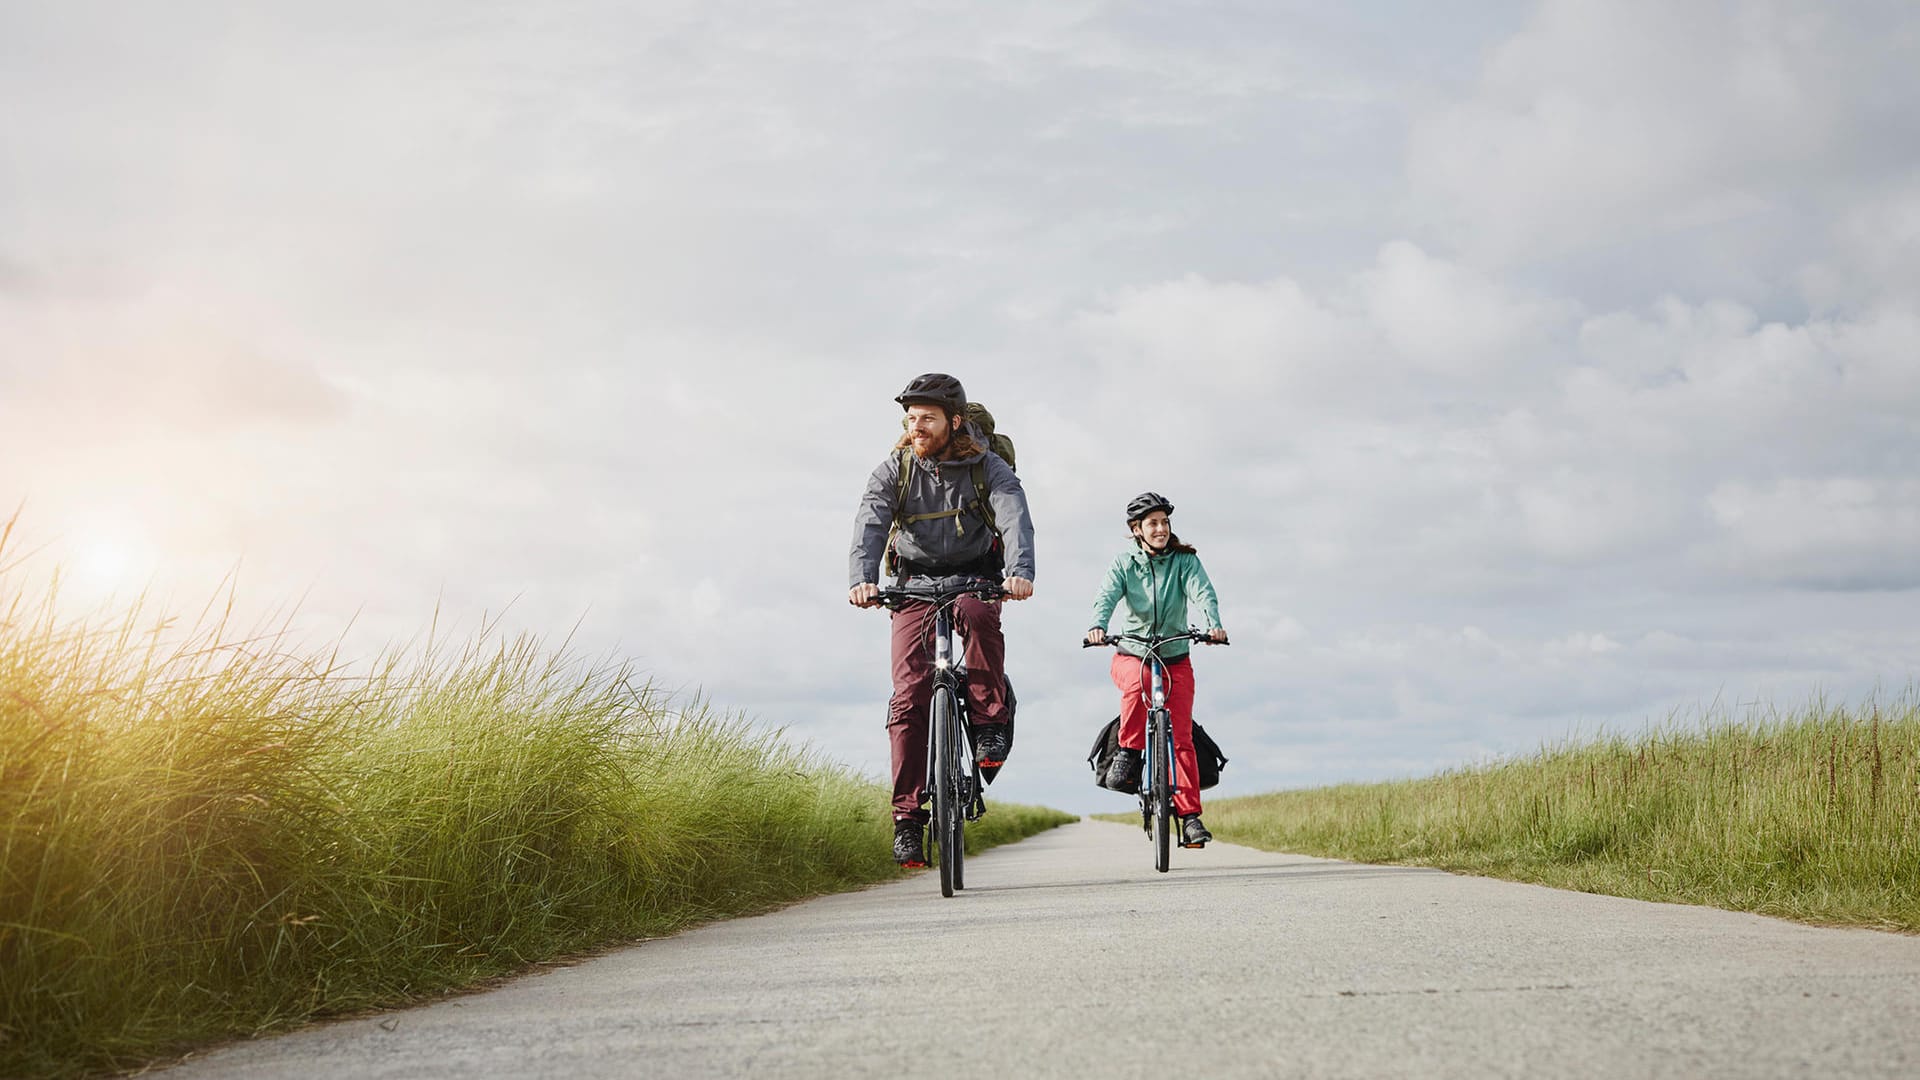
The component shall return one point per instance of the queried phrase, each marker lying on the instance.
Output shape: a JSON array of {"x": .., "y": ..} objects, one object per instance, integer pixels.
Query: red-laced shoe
[
  {"x": 909, "y": 843},
  {"x": 990, "y": 745}
]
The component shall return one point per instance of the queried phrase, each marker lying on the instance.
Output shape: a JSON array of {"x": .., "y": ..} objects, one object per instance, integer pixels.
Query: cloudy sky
[{"x": 1517, "y": 373}]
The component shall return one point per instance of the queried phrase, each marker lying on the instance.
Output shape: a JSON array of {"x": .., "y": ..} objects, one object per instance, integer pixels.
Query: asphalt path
[{"x": 1070, "y": 957}]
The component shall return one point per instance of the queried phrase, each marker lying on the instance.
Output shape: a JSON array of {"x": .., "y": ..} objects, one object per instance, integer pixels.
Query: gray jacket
[{"x": 935, "y": 486}]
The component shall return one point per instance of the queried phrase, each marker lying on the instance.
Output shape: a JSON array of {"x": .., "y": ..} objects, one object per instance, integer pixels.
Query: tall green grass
[
  {"x": 1811, "y": 815},
  {"x": 204, "y": 835}
]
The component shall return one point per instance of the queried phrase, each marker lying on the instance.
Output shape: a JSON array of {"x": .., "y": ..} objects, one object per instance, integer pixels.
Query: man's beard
[{"x": 929, "y": 448}]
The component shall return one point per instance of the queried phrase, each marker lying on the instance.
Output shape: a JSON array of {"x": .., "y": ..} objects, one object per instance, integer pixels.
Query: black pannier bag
[
  {"x": 1205, "y": 750},
  {"x": 1210, "y": 759},
  {"x": 1105, "y": 745}
]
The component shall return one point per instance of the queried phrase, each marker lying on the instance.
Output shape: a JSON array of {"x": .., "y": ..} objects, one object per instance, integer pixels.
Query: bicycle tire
[
  {"x": 1162, "y": 793},
  {"x": 960, "y": 832},
  {"x": 945, "y": 806},
  {"x": 962, "y": 799}
]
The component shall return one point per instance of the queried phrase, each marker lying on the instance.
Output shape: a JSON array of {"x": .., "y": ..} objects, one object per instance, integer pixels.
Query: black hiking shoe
[
  {"x": 1123, "y": 772},
  {"x": 1192, "y": 833},
  {"x": 909, "y": 843},
  {"x": 990, "y": 745}
]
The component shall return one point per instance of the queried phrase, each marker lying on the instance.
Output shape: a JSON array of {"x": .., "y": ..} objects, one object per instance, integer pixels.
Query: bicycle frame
[
  {"x": 953, "y": 781},
  {"x": 1159, "y": 779},
  {"x": 947, "y": 670},
  {"x": 1158, "y": 731}
]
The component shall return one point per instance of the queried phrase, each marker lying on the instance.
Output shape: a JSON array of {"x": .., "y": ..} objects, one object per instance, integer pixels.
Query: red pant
[
  {"x": 907, "y": 713},
  {"x": 1129, "y": 674}
]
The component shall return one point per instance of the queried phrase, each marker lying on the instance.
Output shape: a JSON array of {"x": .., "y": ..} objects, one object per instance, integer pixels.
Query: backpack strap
[
  {"x": 980, "y": 495},
  {"x": 889, "y": 562},
  {"x": 979, "y": 505}
]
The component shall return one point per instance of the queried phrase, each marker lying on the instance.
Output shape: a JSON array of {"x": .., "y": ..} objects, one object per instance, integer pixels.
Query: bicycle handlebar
[
  {"x": 1153, "y": 642},
  {"x": 940, "y": 594}
]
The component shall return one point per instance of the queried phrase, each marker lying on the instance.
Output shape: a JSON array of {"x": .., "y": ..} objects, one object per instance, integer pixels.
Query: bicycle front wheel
[
  {"x": 962, "y": 799},
  {"x": 1160, "y": 753},
  {"x": 946, "y": 808}
]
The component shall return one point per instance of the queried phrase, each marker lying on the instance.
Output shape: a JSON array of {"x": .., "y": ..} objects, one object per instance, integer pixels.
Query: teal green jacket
[{"x": 1157, "y": 589}]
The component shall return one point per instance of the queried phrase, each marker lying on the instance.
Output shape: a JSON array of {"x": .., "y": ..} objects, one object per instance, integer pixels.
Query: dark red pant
[
  {"x": 1128, "y": 673},
  {"x": 907, "y": 713}
]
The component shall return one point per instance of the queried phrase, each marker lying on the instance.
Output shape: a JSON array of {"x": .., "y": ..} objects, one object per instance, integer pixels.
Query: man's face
[
  {"x": 1155, "y": 529},
  {"x": 930, "y": 428}
]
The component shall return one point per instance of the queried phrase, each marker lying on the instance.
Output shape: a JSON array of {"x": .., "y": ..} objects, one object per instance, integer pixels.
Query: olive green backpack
[{"x": 999, "y": 444}]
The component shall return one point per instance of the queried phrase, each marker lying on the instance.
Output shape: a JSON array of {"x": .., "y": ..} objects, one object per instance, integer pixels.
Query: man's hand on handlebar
[
  {"x": 864, "y": 595},
  {"x": 1018, "y": 588}
]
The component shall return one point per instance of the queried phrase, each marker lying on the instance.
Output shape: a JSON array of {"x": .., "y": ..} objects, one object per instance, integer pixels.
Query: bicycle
[
  {"x": 1158, "y": 781},
  {"x": 953, "y": 777}
]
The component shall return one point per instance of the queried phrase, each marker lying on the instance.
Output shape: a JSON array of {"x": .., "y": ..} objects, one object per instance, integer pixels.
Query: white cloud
[
  {"x": 1448, "y": 319},
  {"x": 1836, "y": 532},
  {"x": 1580, "y": 645},
  {"x": 1602, "y": 122},
  {"x": 1269, "y": 338}
]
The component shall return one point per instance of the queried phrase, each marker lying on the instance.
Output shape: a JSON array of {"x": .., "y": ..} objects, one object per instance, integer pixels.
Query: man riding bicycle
[{"x": 942, "y": 508}]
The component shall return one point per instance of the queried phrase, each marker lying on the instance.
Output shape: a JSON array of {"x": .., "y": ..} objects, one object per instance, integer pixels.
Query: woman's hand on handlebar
[
  {"x": 1095, "y": 638},
  {"x": 1017, "y": 588},
  {"x": 864, "y": 595},
  {"x": 1218, "y": 635}
]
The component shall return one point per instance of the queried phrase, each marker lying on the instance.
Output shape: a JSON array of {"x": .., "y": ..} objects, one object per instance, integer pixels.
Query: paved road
[{"x": 1260, "y": 965}]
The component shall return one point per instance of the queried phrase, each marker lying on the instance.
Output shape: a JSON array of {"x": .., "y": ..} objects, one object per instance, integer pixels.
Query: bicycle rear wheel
[
  {"x": 1159, "y": 749},
  {"x": 946, "y": 808}
]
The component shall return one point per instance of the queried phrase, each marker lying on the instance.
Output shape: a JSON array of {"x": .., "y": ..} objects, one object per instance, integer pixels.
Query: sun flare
[{"x": 110, "y": 562}]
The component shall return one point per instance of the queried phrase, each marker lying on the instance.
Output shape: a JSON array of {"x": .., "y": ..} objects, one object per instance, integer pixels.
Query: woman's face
[{"x": 1155, "y": 529}]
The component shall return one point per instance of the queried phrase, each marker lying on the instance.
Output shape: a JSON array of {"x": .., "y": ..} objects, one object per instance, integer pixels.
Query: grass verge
[
  {"x": 1812, "y": 815},
  {"x": 204, "y": 836}
]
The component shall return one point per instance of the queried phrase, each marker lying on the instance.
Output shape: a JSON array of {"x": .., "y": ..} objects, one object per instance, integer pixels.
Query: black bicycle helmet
[
  {"x": 934, "y": 388},
  {"x": 1146, "y": 503}
]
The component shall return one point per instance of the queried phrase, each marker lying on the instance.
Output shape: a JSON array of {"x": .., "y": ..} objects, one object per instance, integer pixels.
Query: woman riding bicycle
[{"x": 1158, "y": 578}]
